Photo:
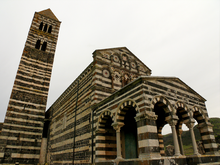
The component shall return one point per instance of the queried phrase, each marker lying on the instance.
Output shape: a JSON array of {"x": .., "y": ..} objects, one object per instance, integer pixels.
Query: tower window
[
  {"x": 50, "y": 29},
  {"x": 41, "y": 26},
  {"x": 44, "y": 46},
  {"x": 45, "y": 28},
  {"x": 37, "y": 46}
]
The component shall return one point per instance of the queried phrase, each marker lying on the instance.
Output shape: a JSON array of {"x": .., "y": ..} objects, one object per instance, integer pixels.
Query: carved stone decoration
[
  {"x": 117, "y": 76},
  {"x": 133, "y": 65},
  {"x": 106, "y": 73},
  {"x": 117, "y": 126},
  {"x": 125, "y": 57},
  {"x": 191, "y": 123},
  {"x": 172, "y": 122},
  {"x": 150, "y": 115},
  {"x": 141, "y": 69},
  {"x": 146, "y": 115},
  {"x": 106, "y": 56},
  {"x": 115, "y": 58},
  {"x": 139, "y": 116}
]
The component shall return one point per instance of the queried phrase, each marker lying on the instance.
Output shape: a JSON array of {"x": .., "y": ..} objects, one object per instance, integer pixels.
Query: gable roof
[
  {"x": 173, "y": 79},
  {"x": 48, "y": 13},
  {"x": 125, "y": 51}
]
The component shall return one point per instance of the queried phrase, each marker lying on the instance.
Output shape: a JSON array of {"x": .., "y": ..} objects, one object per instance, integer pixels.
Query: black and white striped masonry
[{"x": 20, "y": 139}]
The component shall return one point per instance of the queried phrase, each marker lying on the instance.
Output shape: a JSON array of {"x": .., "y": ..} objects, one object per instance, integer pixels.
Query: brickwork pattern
[
  {"x": 83, "y": 125},
  {"x": 173, "y": 95},
  {"x": 21, "y": 134}
]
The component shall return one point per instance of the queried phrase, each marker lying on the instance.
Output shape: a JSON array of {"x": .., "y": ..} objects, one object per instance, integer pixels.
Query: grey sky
[{"x": 173, "y": 38}]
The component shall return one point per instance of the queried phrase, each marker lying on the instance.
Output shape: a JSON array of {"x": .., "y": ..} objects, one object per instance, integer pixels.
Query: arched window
[
  {"x": 37, "y": 46},
  {"x": 45, "y": 28},
  {"x": 44, "y": 46},
  {"x": 41, "y": 26},
  {"x": 50, "y": 29}
]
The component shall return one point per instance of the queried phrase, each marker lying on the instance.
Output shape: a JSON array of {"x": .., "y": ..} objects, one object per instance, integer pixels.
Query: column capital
[
  {"x": 146, "y": 115},
  {"x": 117, "y": 126},
  {"x": 172, "y": 123},
  {"x": 172, "y": 120},
  {"x": 190, "y": 124}
]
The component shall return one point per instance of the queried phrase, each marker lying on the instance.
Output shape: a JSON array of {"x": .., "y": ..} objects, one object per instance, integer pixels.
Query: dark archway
[
  {"x": 50, "y": 29},
  {"x": 44, "y": 46},
  {"x": 41, "y": 26},
  {"x": 37, "y": 46},
  {"x": 45, "y": 28},
  {"x": 159, "y": 109},
  {"x": 182, "y": 115},
  {"x": 106, "y": 138},
  {"x": 129, "y": 135}
]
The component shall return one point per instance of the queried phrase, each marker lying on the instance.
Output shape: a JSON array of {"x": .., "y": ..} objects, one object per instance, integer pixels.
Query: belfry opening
[{"x": 159, "y": 109}]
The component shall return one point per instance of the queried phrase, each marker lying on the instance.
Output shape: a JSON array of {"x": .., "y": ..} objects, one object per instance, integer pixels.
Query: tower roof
[{"x": 48, "y": 13}]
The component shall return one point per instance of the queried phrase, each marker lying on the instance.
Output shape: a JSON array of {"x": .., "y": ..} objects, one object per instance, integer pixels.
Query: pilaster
[{"x": 147, "y": 135}]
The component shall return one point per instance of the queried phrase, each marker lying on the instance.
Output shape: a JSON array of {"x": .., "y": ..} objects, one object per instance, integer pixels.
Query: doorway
[{"x": 129, "y": 135}]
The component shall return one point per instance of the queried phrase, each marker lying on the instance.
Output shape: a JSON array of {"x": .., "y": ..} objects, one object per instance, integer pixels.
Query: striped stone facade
[
  {"x": 157, "y": 101},
  {"x": 21, "y": 135},
  {"x": 87, "y": 123},
  {"x": 113, "y": 112},
  {"x": 70, "y": 118}
]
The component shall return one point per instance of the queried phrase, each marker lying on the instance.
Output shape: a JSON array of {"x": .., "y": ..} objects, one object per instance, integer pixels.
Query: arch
[
  {"x": 180, "y": 104},
  {"x": 125, "y": 115},
  {"x": 102, "y": 119},
  {"x": 41, "y": 26},
  {"x": 37, "y": 46},
  {"x": 50, "y": 29},
  {"x": 44, "y": 46},
  {"x": 163, "y": 108},
  {"x": 119, "y": 117},
  {"x": 182, "y": 112},
  {"x": 184, "y": 116},
  {"x": 164, "y": 100},
  {"x": 105, "y": 137},
  {"x": 199, "y": 115},
  {"x": 45, "y": 28}
]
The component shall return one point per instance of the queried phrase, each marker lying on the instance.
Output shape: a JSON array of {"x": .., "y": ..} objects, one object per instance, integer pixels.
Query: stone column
[
  {"x": 172, "y": 123},
  {"x": 117, "y": 127},
  {"x": 190, "y": 125},
  {"x": 180, "y": 141},
  {"x": 43, "y": 151}
]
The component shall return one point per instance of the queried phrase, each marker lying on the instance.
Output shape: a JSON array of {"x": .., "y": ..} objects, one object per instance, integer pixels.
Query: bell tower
[{"x": 20, "y": 139}]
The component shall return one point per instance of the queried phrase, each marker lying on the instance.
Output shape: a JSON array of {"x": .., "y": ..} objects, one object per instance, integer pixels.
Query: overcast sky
[{"x": 173, "y": 38}]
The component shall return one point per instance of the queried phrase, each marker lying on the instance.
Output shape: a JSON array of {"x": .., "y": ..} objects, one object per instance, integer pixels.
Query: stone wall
[
  {"x": 145, "y": 94},
  {"x": 69, "y": 137},
  {"x": 20, "y": 139}
]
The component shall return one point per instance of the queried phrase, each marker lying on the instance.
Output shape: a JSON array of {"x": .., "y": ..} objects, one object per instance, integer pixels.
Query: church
[{"x": 113, "y": 113}]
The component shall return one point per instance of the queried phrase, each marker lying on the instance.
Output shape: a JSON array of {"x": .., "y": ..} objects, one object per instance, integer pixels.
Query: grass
[{"x": 188, "y": 150}]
